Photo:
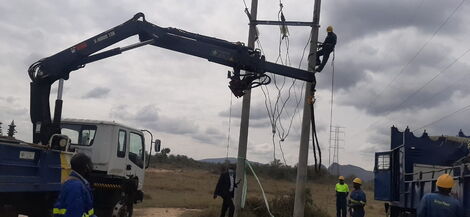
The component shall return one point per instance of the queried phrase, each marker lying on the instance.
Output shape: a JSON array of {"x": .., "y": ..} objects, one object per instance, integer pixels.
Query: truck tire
[
  {"x": 41, "y": 212},
  {"x": 123, "y": 210},
  {"x": 9, "y": 211}
]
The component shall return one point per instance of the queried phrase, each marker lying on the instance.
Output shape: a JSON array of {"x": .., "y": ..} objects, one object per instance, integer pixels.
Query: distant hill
[
  {"x": 232, "y": 160},
  {"x": 351, "y": 170}
]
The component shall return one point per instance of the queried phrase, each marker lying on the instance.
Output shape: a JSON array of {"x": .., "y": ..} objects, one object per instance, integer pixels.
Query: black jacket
[
  {"x": 330, "y": 41},
  {"x": 223, "y": 186}
]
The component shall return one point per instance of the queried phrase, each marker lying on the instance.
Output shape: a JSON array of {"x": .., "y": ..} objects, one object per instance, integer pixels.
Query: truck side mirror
[{"x": 157, "y": 145}]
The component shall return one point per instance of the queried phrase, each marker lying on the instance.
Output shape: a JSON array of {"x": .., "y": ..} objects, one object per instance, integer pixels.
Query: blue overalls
[
  {"x": 75, "y": 199},
  {"x": 436, "y": 205},
  {"x": 357, "y": 201}
]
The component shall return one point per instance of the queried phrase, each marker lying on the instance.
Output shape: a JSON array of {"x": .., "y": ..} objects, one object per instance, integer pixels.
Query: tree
[{"x": 164, "y": 152}]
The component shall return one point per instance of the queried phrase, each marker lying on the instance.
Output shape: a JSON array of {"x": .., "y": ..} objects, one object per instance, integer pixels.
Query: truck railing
[
  {"x": 415, "y": 189},
  {"x": 448, "y": 170}
]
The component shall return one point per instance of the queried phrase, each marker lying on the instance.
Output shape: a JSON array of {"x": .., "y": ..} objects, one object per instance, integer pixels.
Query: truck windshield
[{"x": 80, "y": 134}]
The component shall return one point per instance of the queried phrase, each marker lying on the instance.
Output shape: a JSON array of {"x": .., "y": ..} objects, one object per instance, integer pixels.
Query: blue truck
[
  {"x": 30, "y": 176},
  {"x": 412, "y": 165}
]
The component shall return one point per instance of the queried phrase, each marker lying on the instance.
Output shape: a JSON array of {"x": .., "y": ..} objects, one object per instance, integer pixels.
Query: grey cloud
[
  {"x": 260, "y": 123},
  {"x": 260, "y": 149},
  {"x": 371, "y": 57},
  {"x": 211, "y": 136},
  {"x": 11, "y": 109},
  {"x": 404, "y": 93},
  {"x": 149, "y": 117},
  {"x": 376, "y": 39},
  {"x": 449, "y": 126},
  {"x": 380, "y": 137},
  {"x": 366, "y": 17},
  {"x": 288, "y": 103},
  {"x": 97, "y": 93},
  {"x": 371, "y": 22},
  {"x": 257, "y": 111}
]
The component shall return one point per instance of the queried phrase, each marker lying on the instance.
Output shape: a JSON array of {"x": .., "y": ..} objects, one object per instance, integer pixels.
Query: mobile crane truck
[
  {"x": 31, "y": 173},
  {"x": 411, "y": 167}
]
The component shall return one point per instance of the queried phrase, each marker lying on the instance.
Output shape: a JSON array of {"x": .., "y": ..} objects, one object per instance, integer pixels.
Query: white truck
[{"x": 119, "y": 157}]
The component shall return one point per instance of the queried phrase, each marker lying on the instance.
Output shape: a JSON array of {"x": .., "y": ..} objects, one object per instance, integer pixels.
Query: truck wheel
[
  {"x": 9, "y": 211},
  {"x": 123, "y": 210},
  {"x": 41, "y": 213}
]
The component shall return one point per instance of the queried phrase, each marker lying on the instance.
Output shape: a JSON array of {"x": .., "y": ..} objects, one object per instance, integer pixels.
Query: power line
[
  {"x": 467, "y": 107},
  {"x": 414, "y": 57},
  {"x": 246, "y": 7},
  {"x": 331, "y": 104},
  {"x": 417, "y": 53},
  {"x": 275, "y": 113},
  {"x": 229, "y": 125},
  {"x": 432, "y": 79},
  {"x": 411, "y": 20},
  {"x": 422, "y": 87}
]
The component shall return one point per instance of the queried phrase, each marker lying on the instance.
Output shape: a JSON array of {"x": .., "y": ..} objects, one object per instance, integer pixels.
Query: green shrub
[{"x": 281, "y": 206}]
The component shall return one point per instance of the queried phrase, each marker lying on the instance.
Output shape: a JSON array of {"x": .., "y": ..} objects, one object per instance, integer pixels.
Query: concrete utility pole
[
  {"x": 245, "y": 118},
  {"x": 299, "y": 204}
]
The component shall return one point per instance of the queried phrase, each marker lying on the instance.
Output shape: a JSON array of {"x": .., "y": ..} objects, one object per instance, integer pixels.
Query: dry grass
[{"x": 193, "y": 189}]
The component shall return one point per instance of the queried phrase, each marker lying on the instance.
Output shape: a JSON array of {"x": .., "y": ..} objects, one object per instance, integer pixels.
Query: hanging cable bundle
[{"x": 315, "y": 143}]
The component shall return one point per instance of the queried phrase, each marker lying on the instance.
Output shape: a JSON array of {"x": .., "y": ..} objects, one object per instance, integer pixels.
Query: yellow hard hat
[
  {"x": 357, "y": 181},
  {"x": 341, "y": 178},
  {"x": 445, "y": 181},
  {"x": 329, "y": 29}
]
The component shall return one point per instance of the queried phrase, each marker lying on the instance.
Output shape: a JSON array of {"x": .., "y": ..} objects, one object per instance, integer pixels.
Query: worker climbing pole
[{"x": 326, "y": 48}]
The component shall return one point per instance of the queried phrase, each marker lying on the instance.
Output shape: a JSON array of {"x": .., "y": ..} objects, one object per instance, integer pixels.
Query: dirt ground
[
  {"x": 178, "y": 192},
  {"x": 162, "y": 212}
]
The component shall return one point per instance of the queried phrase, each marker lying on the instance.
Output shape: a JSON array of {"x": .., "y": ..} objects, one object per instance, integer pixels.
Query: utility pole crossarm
[{"x": 280, "y": 23}]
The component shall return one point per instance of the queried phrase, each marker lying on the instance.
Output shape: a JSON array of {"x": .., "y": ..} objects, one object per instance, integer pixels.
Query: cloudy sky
[{"x": 399, "y": 63}]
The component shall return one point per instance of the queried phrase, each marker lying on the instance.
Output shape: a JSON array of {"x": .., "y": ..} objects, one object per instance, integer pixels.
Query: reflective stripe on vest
[
  {"x": 358, "y": 202},
  {"x": 342, "y": 188},
  {"x": 90, "y": 213},
  {"x": 57, "y": 211}
]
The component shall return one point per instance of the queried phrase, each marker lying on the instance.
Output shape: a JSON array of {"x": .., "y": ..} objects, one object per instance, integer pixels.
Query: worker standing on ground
[
  {"x": 441, "y": 204},
  {"x": 342, "y": 191},
  {"x": 75, "y": 199},
  {"x": 327, "y": 47},
  {"x": 357, "y": 200},
  {"x": 225, "y": 188}
]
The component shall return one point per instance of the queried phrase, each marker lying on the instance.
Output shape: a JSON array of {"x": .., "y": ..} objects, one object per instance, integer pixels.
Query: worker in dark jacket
[
  {"x": 357, "y": 200},
  {"x": 75, "y": 199},
  {"x": 327, "y": 47},
  {"x": 342, "y": 191},
  {"x": 225, "y": 188},
  {"x": 441, "y": 204}
]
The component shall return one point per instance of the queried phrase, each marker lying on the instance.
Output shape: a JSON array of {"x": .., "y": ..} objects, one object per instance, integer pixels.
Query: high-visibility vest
[{"x": 343, "y": 188}]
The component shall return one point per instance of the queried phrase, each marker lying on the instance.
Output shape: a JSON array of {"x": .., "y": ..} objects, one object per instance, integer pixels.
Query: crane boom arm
[{"x": 46, "y": 71}]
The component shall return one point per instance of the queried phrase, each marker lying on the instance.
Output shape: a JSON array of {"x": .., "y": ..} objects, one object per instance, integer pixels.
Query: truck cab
[
  {"x": 115, "y": 149},
  {"x": 119, "y": 157}
]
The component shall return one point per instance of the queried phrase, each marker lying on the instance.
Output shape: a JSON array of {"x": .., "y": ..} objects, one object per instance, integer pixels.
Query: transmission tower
[{"x": 337, "y": 135}]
